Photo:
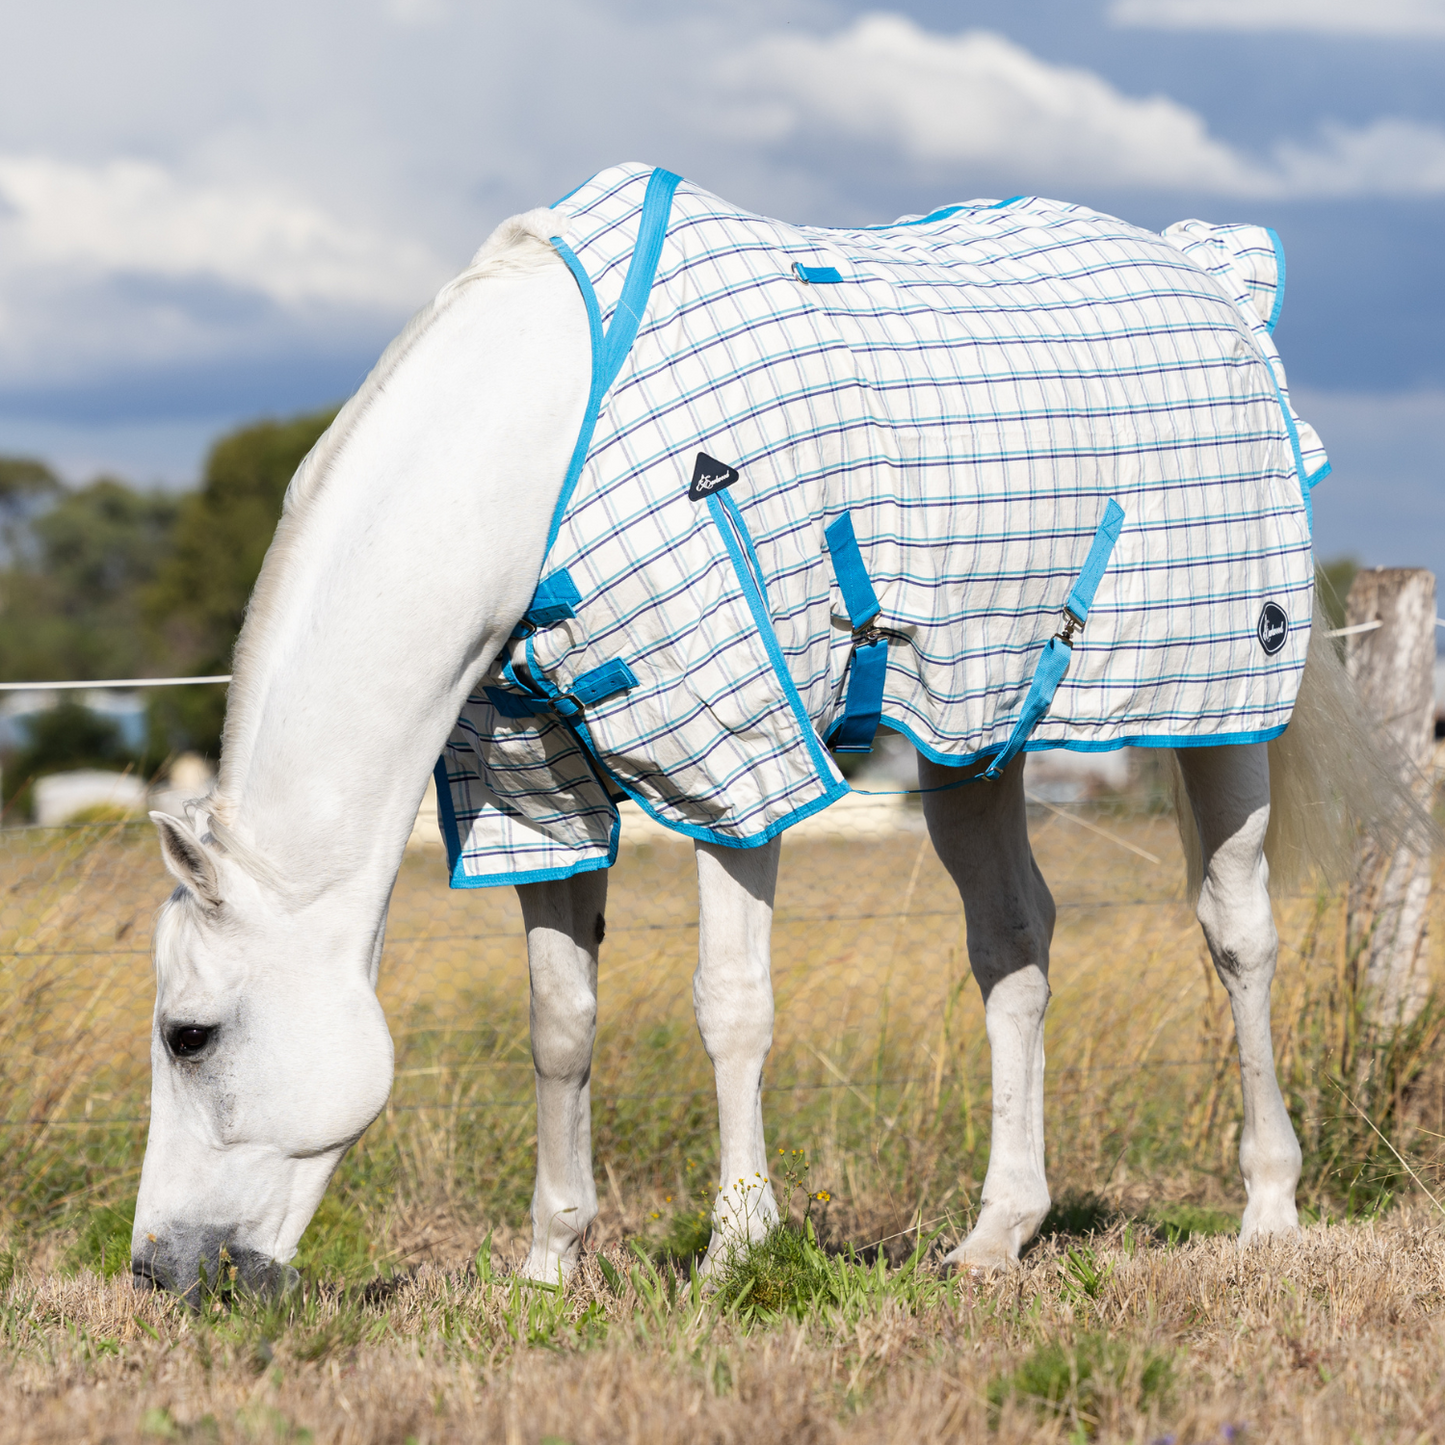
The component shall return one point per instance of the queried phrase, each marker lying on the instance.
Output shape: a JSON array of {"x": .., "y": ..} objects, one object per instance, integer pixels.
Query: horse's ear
[{"x": 187, "y": 859}]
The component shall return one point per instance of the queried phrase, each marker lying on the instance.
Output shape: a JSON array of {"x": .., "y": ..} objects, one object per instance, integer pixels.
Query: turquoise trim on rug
[
  {"x": 543, "y": 875},
  {"x": 1299, "y": 461},
  {"x": 578, "y": 458},
  {"x": 610, "y": 351},
  {"x": 727, "y": 517},
  {"x": 1278, "y": 280},
  {"x": 1043, "y": 745},
  {"x": 651, "y": 230}
]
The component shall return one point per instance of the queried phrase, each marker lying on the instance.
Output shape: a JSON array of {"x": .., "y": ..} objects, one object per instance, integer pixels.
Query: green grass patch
[
  {"x": 688, "y": 1233},
  {"x": 103, "y": 1242},
  {"x": 1179, "y": 1223},
  {"x": 341, "y": 1242},
  {"x": 1078, "y": 1379}
]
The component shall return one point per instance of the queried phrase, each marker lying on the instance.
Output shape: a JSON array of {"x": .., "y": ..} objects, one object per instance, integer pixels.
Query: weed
[
  {"x": 1084, "y": 1278},
  {"x": 785, "y": 1273}
]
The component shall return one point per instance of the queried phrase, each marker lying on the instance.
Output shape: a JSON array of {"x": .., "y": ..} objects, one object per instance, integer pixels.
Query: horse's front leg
[
  {"x": 980, "y": 831},
  {"x": 1229, "y": 792},
  {"x": 564, "y": 921},
  {"x": 732, "y": 991}
]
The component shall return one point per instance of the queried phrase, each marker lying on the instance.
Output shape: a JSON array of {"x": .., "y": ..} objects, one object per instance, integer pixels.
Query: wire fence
[
  {"x": 868, "y": 955},
  {"x": 877, "y": 1017}
]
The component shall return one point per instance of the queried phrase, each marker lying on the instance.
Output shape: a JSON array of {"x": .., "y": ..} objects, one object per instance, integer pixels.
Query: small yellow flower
[
  {"x": 668, "y": 1198},
  {"x": 656, "y": 1215},
  {"x": 822, "y": 1196}
]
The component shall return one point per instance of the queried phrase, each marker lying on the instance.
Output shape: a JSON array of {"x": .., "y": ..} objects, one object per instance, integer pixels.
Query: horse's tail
[{"x": 1333, "y": 778}]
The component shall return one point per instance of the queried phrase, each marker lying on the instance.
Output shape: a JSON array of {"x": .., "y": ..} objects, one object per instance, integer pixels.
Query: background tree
[
  {"x": 70, "y": 598},
  {"x": 26, "y": 487},
  {"x": 198, "y": 600}
]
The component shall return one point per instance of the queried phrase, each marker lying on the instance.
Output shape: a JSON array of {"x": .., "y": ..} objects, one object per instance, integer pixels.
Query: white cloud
[
  {"x": 1325, "y": 17},
  {"x": 1387, "y": 157},
  {"x": 979, "y": 99},
  {"x": 137, "y": 218}
]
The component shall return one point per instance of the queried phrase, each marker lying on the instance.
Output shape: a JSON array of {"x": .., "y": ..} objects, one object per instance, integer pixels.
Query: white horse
[{"x": 410, "y": 547}]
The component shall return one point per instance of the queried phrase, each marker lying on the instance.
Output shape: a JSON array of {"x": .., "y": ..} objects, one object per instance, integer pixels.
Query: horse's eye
[{"x": 190, "y": 1040}]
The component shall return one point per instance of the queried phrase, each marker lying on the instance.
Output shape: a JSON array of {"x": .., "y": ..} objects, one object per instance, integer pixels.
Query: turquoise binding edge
[
  {"x": 1302, "y": 481},
  {"x": 1278, "y": 280},
  {"x": 721, "y": 505},
  {"x": 651, "y": 231},
  {"x": 578, "y": 458},
  {"x": 606, "y": 362}
]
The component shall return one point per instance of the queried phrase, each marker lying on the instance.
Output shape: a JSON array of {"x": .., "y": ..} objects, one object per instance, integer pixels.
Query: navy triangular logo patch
[{"x": 708, "y": 476}]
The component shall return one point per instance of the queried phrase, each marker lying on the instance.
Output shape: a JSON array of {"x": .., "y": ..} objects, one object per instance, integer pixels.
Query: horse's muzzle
[{"x": 199, "y": 1262}]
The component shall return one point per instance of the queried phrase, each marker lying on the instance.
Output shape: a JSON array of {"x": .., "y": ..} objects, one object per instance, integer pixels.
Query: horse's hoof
[
  {"x": 976, "y": 1263},
  {"x": 1281, "y": 1222}
]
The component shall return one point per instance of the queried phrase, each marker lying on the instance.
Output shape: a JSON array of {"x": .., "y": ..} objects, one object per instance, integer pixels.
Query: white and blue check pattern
[{"x": 973, "y": 390}]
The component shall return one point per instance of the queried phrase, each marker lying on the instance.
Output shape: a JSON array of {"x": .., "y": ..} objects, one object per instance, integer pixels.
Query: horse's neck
[{"x": 394, "y": 583}]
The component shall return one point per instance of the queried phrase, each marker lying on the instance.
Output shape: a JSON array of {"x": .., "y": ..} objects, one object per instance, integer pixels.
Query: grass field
[{"x": 1135, "y": 1317}]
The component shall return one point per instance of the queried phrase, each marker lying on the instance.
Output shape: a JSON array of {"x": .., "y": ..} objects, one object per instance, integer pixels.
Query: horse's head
[{"x": 269, "y": 1056}]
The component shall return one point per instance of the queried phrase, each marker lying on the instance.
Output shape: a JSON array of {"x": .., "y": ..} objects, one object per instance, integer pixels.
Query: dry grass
[
  {"x": 1334, "y": 1337},
  {"x": 879, "y": 1074}
]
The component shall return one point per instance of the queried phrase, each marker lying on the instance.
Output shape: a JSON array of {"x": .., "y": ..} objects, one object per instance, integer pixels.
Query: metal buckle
[
  {"x": 1072, "y": 624},
  {"x": 574, "y": 700}
]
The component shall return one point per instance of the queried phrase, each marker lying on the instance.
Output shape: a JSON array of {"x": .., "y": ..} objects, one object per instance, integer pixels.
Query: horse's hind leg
[
  {"x": 564, "y": 921},
  {"x": 980, "y": 831},
  {"x": 1229, "y": 791},
  {"x": 732, "y": 991}
]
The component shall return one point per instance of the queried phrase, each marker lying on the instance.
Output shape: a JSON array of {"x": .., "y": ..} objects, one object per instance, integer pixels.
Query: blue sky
[{"x": 210, "y": 212}]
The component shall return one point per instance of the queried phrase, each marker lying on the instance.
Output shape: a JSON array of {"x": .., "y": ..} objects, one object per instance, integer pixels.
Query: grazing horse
[{"x": 655, "y": 499}]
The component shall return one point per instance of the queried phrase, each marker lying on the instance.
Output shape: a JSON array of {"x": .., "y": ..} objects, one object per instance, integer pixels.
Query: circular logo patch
[{"x": 1273, "y": 627}]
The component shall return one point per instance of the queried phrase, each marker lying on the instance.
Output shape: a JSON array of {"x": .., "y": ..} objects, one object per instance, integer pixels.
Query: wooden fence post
[{"x": 1393, "y": 668}]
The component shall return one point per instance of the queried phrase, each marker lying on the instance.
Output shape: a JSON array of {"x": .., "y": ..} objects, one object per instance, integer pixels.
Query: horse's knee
[
  {"x": 736, "y": 1020},
  {"x": 564, "y": 1021}
]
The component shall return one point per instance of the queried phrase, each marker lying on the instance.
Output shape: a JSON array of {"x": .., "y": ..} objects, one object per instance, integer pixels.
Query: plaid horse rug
[{"x": 1010, "y": 475}]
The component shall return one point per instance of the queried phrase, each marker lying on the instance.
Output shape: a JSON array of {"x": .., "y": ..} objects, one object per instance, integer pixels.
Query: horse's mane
[{"x": 521, "y": 245}]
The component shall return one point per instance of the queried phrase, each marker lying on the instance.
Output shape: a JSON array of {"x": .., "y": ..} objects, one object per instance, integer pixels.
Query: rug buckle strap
[
  {"x": 868, "y": 661},
  {"x": 1059, "y": 650}
]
